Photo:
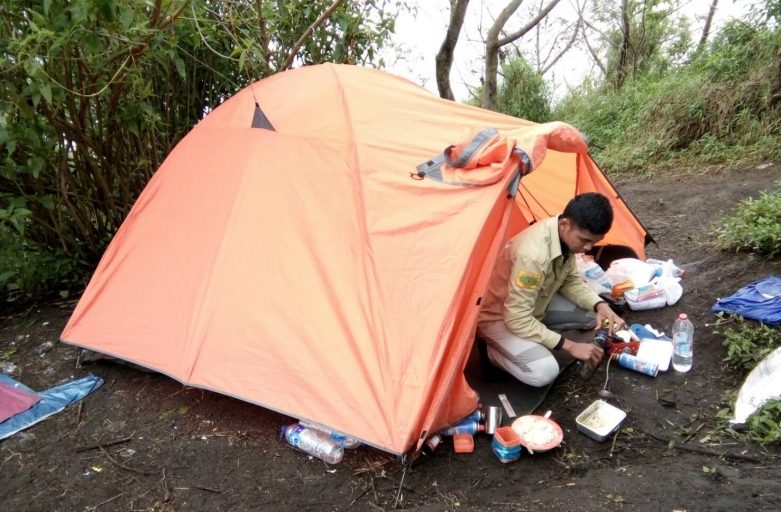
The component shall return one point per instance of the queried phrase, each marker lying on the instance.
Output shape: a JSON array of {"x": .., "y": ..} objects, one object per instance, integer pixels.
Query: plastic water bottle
[
  {"x": 345, "y": 441},
  {"x": 312, "y": 441},
  {"x": 683, "y": 343}
]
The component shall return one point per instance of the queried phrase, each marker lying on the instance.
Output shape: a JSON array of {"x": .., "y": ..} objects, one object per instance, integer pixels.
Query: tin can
[
  {"x": 431, "y": 444},
  {"x": 639, "y": 365},
  {"x": 493, "y": 419}
]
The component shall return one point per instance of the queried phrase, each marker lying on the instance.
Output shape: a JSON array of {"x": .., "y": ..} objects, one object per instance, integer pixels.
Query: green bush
[
  {"x": 27, "y": 271},
  {"x": 522, "y": 92},
  {"x": 747, "y": 342},
  {"x": 755, "y": 225}
]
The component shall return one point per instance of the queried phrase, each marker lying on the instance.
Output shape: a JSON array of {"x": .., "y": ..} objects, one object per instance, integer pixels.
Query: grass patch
[{"x": 755, "y": 226}]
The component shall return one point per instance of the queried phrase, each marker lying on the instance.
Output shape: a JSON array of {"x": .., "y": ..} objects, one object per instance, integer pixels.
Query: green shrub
[
  {"x": 522, "y": 92},
  {"x": 27, "y": 271},
  {"x": 764, "y": 426},
  {"x": 747, "y": 342},
  {"x": 755, "y": 225}
]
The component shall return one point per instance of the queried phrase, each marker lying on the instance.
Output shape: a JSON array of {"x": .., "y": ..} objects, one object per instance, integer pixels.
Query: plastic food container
[
  {"x": 640, "y": 302},
  {"x": 463, "y": 443},
  {"x": 599, "y": 420}
]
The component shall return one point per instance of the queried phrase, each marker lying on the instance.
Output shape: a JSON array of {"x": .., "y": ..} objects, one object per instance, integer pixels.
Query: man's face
[{"x": 576, "y": 239}]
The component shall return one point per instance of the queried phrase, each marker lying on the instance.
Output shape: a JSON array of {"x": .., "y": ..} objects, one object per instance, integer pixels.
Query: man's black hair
[{"x": 590, "y": 211}]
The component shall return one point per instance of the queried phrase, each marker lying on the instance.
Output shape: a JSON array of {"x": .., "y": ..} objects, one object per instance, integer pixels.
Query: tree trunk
[
  {"x": 624, "y": 48},
  {"x": 776, "y": 98},
  {"x": 492, "y": 54},
  {"x": 445, "y": 56},
  {"x": 706, "y": 29},
  {"x": 493, "y": 43}
]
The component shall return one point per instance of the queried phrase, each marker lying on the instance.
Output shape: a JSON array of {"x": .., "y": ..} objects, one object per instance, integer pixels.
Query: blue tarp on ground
[
  {"x": 760, "y": 300},
  {"x": 53, "y": 400}
]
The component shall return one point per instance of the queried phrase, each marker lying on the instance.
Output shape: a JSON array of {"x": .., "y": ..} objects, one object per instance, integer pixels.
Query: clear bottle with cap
[
  {"x": 346, "y": 441},
  {"x": 312, "y": 441},
  {"x": 683, "y": 343}
]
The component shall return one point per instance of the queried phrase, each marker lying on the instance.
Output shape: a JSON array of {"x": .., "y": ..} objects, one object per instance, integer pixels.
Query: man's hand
[
  {"x": 604, "y": 312},
  {"x": 584, "y": 351}
]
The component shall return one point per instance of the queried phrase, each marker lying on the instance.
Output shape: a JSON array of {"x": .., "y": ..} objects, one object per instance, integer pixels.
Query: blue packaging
[{"x": 504, "y": 453}]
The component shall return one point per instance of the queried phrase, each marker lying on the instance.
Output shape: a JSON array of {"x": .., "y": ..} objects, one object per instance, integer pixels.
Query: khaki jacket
[{"x": 528, "y": 272}]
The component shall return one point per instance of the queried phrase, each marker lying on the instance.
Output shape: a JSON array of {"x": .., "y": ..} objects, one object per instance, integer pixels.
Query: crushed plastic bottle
[
  {"x": 346, "y": 441},
  {"x": 312, "y": 441}
]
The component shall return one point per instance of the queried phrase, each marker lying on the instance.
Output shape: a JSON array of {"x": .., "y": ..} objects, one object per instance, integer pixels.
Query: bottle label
[
  {"x": 682, "y": 345},
  {"x": 294, "y": 435},
  {"x": 638, "y": 365}
]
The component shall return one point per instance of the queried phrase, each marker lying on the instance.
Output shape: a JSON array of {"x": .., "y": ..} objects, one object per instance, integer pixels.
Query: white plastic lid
[{"x": 683, "y": 316}]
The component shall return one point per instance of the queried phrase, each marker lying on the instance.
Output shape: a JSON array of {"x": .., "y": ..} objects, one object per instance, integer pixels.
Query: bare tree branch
[
  {"x": 563, "y": 50},
  {"x": 523, "y": 30},
  {"x": 594, "y": 55},
  {"x": 493, "y": 44},
  {"x": 308, "y": 32},
  {"x": 444, "y": 59}
]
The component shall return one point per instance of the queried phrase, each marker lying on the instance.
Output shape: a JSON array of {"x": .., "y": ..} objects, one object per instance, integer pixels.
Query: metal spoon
[{"x": 604, "y": 392}]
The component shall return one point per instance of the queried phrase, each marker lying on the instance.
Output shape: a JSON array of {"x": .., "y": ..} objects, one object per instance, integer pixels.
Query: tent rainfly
[{"x": 312, "y": 248}]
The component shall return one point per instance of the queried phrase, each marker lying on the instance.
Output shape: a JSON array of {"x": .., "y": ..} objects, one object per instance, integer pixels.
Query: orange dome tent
[{"x": 291, "y": 253}]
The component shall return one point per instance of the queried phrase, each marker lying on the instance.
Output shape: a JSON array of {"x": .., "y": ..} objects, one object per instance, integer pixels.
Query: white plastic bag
[
  {"x": 671, "y": 286},
  {"x": 669, "y": 269},
  {"x": 593, "y": 274},
  {"x": 632, "y": 269},
  {"x": 761, "y": 385}
]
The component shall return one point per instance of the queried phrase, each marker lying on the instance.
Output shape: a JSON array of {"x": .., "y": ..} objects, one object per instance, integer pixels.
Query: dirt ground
[{"x": 143, "y": 442}]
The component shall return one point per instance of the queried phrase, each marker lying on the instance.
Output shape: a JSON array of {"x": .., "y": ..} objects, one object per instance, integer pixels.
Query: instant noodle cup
[{"x": 506, "y": 444}]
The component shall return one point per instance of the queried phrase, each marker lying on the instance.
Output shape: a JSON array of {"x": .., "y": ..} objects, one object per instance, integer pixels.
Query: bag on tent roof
[{"x": 482, "y": 158}]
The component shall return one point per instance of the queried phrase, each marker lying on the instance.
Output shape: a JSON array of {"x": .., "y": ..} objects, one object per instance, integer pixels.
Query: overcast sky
[{"x": 419, "y": 36}]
